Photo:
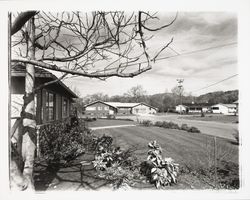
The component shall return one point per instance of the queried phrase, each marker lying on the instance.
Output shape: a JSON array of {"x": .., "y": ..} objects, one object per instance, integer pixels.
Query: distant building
[
  {"x": 198, "y": 108},
  {"x": 226, "y": 109},
  {"x": 181, "y": 109},
  {"x": 99, "y": 109},
  {"x": 143, "y": 108},
  {"x": 103, "y": 109}
]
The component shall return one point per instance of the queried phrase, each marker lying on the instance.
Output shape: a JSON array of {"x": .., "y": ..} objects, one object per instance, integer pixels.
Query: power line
[
  {"x": 199, "y": 50},
  {"x": 216, "y": 83},
  {"x": 177, "y": 55},
  {"x": 187, "y": 53}
]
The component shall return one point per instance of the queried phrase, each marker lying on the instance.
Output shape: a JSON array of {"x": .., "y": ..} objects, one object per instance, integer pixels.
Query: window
[
  {"x": 90, "y": 108},
  {"x": 64, "y": 108},
  {"x": 50, "y": 106},
  {"x": 106, "y": 108},
  {"x": 99, "y": 108},
  {"x": 215, "y": 108}
]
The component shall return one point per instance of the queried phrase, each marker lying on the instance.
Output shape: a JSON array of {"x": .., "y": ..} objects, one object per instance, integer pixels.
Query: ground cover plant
[
  {"x": 61, "y": 142},
  {"x": 170, "y": 125},
  {"x": 159, "y": 171}
]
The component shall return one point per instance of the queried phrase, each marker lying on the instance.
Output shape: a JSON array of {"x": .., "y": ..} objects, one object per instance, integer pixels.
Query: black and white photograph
[{"x": 124, "y": 100}]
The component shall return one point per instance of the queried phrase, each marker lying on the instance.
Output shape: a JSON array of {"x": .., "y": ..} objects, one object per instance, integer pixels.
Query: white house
[
  {"x": 181, "y": 108},
  {"x": 226, "y": 109},
  {"x": 101, "y": 109},
  {"x": 143, "y": 108}
]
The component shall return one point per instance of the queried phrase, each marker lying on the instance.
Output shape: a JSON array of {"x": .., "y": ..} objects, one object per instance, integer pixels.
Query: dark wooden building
[{"x": 53, "y": 102}]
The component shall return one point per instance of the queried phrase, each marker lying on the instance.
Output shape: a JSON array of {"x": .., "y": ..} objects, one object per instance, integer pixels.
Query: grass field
[
  {"x": 108, "y": 122},
  {"x": 213, "y": 117},
  {"x": 193, "y": 151}
]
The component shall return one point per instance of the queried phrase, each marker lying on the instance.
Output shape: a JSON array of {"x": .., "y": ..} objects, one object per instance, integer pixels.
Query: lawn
[
  {"x": 108, "y": 122},
  {"x": 193, "y": 151},
  {"x": 213, "y": 117}
]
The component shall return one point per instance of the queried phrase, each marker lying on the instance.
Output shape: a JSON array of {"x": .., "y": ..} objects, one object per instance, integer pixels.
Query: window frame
[
  {"x": 65, "y": 115},
  {"x": 46, "y": 115}
]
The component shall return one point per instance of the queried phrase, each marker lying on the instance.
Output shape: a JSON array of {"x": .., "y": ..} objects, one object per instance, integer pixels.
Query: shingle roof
[
  {"x": 227, "y": 105},
  {"x": 119, "y": 104},
  {"x": 19, "y": 70},
  {"x": 123, "y": 105}
]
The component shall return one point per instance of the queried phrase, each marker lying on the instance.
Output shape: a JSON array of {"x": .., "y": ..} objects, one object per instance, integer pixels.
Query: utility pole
[{"x": 180, "y": 86}]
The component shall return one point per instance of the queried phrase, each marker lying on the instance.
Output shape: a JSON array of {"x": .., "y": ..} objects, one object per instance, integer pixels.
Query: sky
[{"x": 192, "y": 31}]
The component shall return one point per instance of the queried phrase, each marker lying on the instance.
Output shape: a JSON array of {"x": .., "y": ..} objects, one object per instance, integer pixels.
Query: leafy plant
[
  {"x": 159, "y": 171},
  {"x": 146, "y": 123},
  {"x": 166, "y": 124},
  {"x": 114, "y": 164},
  {"x": 60, "y": 142},
  {"x": 194, "y": 130}
]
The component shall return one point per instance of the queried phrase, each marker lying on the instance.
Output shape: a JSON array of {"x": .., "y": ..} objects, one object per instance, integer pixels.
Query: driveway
[{"x": 224, "y": 130}]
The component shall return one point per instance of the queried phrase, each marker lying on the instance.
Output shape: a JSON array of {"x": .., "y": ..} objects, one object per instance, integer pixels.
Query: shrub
[
  {"x": 60, "y": 142},
  {"x": 158, "y": 123},
  {"x": 146, "y": 123},
  {"x": 170, "y": 125},
  {"x": 194, "y": 130},
  {"x": 114, "y": 164},
  {"x": 90, "y": 119},
  {"x": 236, "y": 136},
  {"x": 159, "y": 171},
  {"x": 184, "y": 127}
]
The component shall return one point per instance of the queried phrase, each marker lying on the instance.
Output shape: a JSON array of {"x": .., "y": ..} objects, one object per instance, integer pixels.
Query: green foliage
[
  {"x": 114, "y": 164},
  {"x": 172, "y": 125},
  {"x": 166, "y": 124},
  {"x": 194, "y": 130},
  {"x": 236, "y": 136},
  {"x": 90, "y": 119},
  {"x": 159, "y": 171},
  {"x": 184, "y": 127},
  {"x": 60, "y": 142},
  {"x": 146, "y": 123}
]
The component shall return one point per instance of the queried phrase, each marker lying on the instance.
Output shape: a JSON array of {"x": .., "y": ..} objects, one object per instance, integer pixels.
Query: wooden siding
[{"x": 99, "y": 110}]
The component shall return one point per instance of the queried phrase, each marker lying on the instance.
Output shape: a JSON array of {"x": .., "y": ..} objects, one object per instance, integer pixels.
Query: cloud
[{"x": 191, "y": 31}]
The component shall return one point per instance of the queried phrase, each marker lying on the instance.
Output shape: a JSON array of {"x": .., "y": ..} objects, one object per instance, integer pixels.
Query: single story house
[
  {"x": 103, "y": 109},
  {"x": 226, "y": 109},
  {"x": 122, "y": 108},
  {"x": 181, "y": 108},
  {"x": 99, "y": 109},
  {"x": 143, "y": 108},
  {"x": 53, "y": 102},
  {"x": 198, "y": 108}
]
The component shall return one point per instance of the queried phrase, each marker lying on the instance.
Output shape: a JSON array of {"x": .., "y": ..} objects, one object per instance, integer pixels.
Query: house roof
[
  {"x": 146, "y": 105},
  {"x": 99, "y": 101},
  {"x": 19, "y": 70},
  {"x": 227, "y": 105},
  {"x": 123, "y": 105},
  {"x": 119, "y": 104},
  {"x": 182, "y": 105}
]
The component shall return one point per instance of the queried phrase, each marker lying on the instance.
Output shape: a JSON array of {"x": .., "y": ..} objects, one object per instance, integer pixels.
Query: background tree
[
  {"x": 136, "y": 94},
  {"x": 94, "y": 45},
  {"x": 177, "y": 93}
]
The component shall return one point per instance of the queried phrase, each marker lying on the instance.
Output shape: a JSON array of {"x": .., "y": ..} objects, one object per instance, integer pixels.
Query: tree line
[{"x": 166, "y": 101}]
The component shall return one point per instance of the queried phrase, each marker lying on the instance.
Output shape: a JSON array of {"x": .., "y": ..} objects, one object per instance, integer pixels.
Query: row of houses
[
  {"x": 220, "y": 108},
  {"x": 103, "y": 109}
]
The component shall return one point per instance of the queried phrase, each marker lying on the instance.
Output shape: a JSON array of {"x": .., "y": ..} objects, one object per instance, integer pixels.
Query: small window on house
[
  {"x": 99, "y": 108},
  {"x": 64, "y": 108},
  {"x": 50, "y": 106},
  {"x": 215, "y": 108},
  {"x": 106, "y": 108}
]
